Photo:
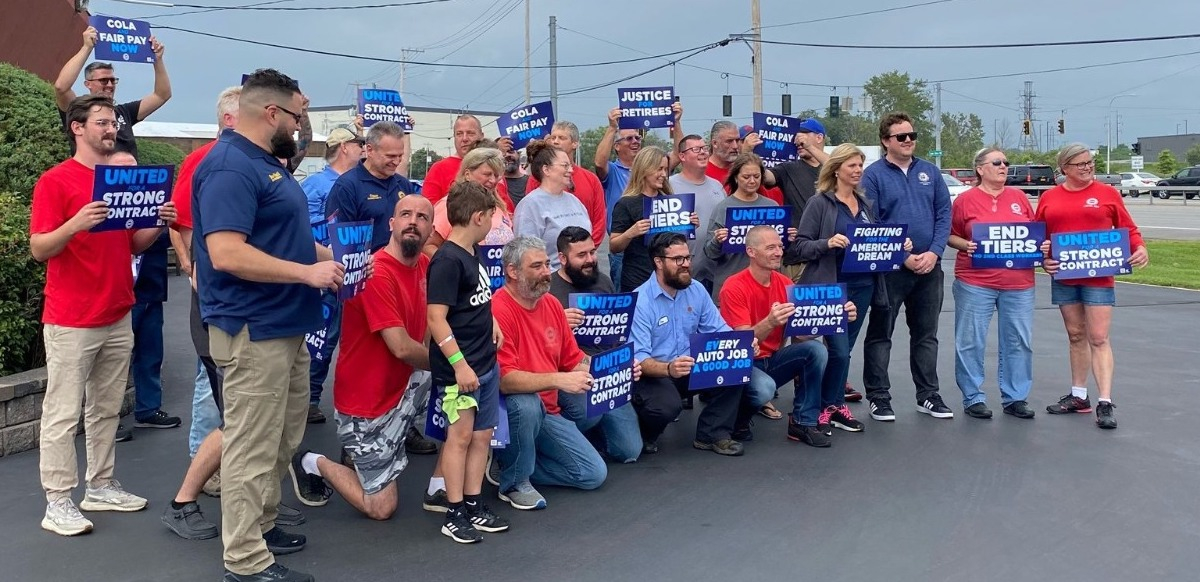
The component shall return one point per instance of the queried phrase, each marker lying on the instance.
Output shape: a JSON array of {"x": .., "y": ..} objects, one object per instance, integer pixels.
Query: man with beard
[
  {"x": 382, "y": 379},
  {"x": 515, "y": 178},
  {"x": 616, "y": 432},
  {"x": 539, "y": 357},
  {"x": 669, "y": 310},
  {"x": 89, "y": 338},
  {"x": 259, "y": 271},
  {"x": 727, "y": 142},
  {"x": 441, "y": 175}
]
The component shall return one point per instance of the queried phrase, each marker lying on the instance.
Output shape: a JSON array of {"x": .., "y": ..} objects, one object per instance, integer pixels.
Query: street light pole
[{"x": 1111, "y": 123}]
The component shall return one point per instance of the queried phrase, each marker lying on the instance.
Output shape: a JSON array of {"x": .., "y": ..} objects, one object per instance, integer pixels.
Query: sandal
[{"x": 768, "y": 410}]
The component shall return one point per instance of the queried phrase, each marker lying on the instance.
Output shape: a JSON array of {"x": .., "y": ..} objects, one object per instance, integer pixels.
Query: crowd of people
[{"x": 428, "y": 330}]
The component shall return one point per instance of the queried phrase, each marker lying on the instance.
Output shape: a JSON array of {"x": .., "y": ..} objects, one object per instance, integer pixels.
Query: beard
[
  {"x": 511, "y": 167},
  {"x": 282, "y": 145},
  {"x": 680, "y": 280},
  {"x": 410, "y": 247},
  {"x": 533, "y": 289},
  {"x": 581, "y": 277}
]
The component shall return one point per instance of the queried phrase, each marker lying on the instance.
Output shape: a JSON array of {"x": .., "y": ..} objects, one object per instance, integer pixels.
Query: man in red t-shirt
[
  {"x": 88, "y": 329},
  {"x": 441, "y": 175},
  {"x": 381, "y": 384},
  {"x": 538, "y": 358},
  {"x": 585, "y": 185},
  {"x": 756, "y": 299}
]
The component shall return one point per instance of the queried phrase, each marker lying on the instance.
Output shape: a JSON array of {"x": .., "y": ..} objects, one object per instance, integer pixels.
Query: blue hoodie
[{"x": 919, "y": 199}]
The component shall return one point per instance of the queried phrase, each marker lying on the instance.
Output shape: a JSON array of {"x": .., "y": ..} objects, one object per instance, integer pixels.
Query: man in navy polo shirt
[
  {"x": 258, "y": 270},
  {"x": 370, "y": 190}
]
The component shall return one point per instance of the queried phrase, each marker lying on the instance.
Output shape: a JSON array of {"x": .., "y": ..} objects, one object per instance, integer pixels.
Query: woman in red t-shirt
[
  {"x": 981, "y": 293},
  {"x": 1082, "y": 204}
]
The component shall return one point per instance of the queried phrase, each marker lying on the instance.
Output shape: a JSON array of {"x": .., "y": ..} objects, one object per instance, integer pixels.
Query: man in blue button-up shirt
[{"x": 669, "y": 310}]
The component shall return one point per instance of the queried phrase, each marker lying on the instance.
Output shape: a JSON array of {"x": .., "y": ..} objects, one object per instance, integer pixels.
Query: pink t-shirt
[{"x": 502, "y": 225}]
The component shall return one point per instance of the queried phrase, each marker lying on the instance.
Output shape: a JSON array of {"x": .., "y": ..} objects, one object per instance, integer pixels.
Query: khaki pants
[
  {"x": 266, "y": 407},
  {"x": 86, "y": 368}
]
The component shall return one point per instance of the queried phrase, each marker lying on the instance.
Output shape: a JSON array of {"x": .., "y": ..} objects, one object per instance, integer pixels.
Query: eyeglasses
[
  {"x": 106, "y": 80},
  {"x": 106, "y": 123},
  {"x": 679, "y": 260},
  {"x": 696, "y": 149},
  {"x": 1082, "y": 165},
  {"x": 295, "y": 116},
  {"x": 631, "y": 138},
  {"x": 563, "y": 165},
  {"x": 999, "y": 163},
  {"x": 903, "y": 137}
]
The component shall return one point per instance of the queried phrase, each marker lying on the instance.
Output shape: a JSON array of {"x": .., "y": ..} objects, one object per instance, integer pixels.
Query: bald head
[
  {"x": 122, "y": 159},
  {"x": 412, "y": 223},
  {"x": 760, "y": 235}
]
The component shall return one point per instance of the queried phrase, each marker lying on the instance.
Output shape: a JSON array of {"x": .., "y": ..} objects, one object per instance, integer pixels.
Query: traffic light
[
  {"x": 1027, "y": 127},
  {"x": 727, "y": 106},
  {"x": 834, "y": 106},
  {"x": 1062, "y": 126},
  {"x": 1136, "y": 148},
  {"x": 785, "y": 107}
]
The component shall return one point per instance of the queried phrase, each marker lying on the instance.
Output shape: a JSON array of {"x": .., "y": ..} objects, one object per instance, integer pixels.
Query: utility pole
[
  {"x": 404, "y": 54},
  {"x": 756, "y": 46},
  {"x": 937, "y": 125},
  {"x": 527, "y": 55},
  {"x": 554, "y": 64},
  {"x": 1028, "y": 140}
]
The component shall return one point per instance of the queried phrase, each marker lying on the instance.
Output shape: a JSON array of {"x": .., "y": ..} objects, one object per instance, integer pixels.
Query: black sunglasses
[
  {"x": 999, "y": 163},
  {"x": 295, "y": 116},
  {"x": 903, "y": 137}
]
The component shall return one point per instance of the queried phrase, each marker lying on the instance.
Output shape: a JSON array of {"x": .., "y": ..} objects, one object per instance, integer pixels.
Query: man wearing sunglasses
[
  {"x": 100, "y": 79},
  {"x": 905, "y": 189}
]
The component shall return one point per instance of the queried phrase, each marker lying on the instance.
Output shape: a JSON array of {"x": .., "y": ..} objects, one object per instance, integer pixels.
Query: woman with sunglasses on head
[
  {"x": 484, "y": 165},
  {"x": 549, "y": 208},
  {"x": 981, "y": 293},
  {"x": 1080, "y": 204},
  {"x": 647, "y": 179}
]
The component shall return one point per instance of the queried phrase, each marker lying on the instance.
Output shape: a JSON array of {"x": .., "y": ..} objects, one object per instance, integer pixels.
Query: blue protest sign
[
  {"x": 500, "y": 432},
  {"x": 1007, "y": 245},
  {"x": 320, "y": 232},
  {"x": 612, "y": 380},
  {"x": 121, "y": 39},
  {"x": 315, "y": 340},
  {"x": 820, "y": 310},
  {"x": 778, "y": 135},
  {"x": 646, "y": 107},
  {"x": 606, "y": 317},
  {"x": 670, "y": 213},
  {"x": 526, "y": 123},
  {"x": 352, "y": 247},
  {"x": 133, "y": 195},
  {"x": 1095, "y": 253},
  {"x": 489, "y": 257},
  {"x": 723, "y": 358},
  {"x": 436, "y": 422},
  {"x": 875, "y": 248},
  {"x": 740, "y": 219},
  {"x": 377, "y": 105}
]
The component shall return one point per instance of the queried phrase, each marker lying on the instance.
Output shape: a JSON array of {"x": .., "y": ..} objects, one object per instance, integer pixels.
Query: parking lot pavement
[{"x": 1172, "y": 219}]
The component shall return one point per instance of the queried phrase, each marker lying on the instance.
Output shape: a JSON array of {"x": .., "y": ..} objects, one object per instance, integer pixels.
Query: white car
[
  {"x": 955, "y": 186},
  {"x": 1137, "y": 183}
]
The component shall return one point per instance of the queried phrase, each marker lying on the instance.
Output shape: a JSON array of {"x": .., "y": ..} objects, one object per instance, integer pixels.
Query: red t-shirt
[
  {"x": 590, "y": 192},
  {"x": 441, "y": 176},
  {"x": 1096, "y": 207},
  {"x": 370, "y": 380},
  {"x": 975, "y": 205},
  {"x": 720, "y": 174},
  {"x": 537, "y": 340},
  {"x": 745, "y": 302},
  {"x": 182, "y": 196},
  {"x": 90, "y": 283}
]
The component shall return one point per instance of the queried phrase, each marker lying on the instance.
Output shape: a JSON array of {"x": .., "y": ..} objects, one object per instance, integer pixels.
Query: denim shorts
[
  {"x": 1064, "y": 294},
  {"x": 487, "y": 398}
]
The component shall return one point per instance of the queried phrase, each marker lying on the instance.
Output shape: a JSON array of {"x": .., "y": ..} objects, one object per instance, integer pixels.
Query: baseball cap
[
  {"x": 811, "y": 125},
  {"x": 744, "y": 131},
  {"x": 339, "y": 136}
]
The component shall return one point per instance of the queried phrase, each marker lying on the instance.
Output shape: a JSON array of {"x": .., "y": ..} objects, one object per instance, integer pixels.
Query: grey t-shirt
[
  {"x": 708, "y": 193},
  {"x": 543, "y": 215},
  {"x": 720, "y": 264}
]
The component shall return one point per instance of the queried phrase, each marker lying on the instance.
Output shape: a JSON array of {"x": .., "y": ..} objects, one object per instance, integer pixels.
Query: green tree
[
  {"x": 21, "y": 282},
  {"x": 896, "y": 91},
  {"x": 962, "y": 136},
  {"x": 155, "y": 153},
  {"x": 421, "y": 160},
  {"x": 847, "y": 128},
  {"x": 31, "y": 135},
  {"x": 1193, "y": 155},
  {"x": 1167, "y": 164}
]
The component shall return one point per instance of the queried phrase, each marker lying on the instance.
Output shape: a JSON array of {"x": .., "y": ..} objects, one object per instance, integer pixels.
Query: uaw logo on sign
[
  {"x": 875, "y": 247},
  {"x": 721, "y": 357},
  {"x": 132, "y": 195},
  {"x": 1097, "y": 253}
]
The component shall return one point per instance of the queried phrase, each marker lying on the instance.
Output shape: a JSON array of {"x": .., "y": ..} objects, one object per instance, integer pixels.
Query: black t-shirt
[
  {"x": 562, "y": 291},
  {"x": 151, "y": 285},
  {"x": 516, "y": 187},
  {"x": 636, "y": 266},
  {"x": 798, "y": 181},
  {"x": 127, "y": 116},
  {"x": 458, "y": 280}
]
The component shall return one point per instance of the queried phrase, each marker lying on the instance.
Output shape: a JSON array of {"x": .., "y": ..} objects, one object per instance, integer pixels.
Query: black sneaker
[
  {"x": 980, "y": 410},
  {"x": 492, "y": 470},
  {"x": 315, "y": 416},
  {"x": 882, "y": 410},
  {"x": 437, "y": 503},
  {"x": 311, "y": 490},
  {"x": 159, "y": 419},
  {"x": 188, "y": 523},
  {"x": 840, "y": 417},
  {"x": 1104, "y": 415},
  {"x": 724, "y": 447},
  {"x": 809, "y": 435},
  {"x": 1068, "y": 404},
  {"x": 272, "y": 573},
  {"x": 416, "y": 444},
  {"x": 484, "y": 519},
  {"x": 288, "y": 516},
  {"x": 1019, "y": 409},
  {"x": 124, "y": 433},
  {"x": 458, "y": 527},
  {"x": 650, "y": 447},
  {"x": 688, "y": 402},
  {"x": 933, "y": 406},
  {"x": 281, "y": 543},
  {"x": 745, "y": 434}
]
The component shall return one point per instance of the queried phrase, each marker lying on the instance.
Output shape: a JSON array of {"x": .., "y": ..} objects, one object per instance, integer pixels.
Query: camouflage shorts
[{"x": 377, "y": 444}]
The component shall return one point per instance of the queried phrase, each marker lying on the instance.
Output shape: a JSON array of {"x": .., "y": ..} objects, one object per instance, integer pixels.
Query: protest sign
[
  {"x": 315, "y": 340},
  {"x": 612, "y": 380},
  {"x": 740, "y": 219},
  {"x": 1095, "y": 253},
  {"x": 723, "y": 358},
  {"x": 1008, "y": 245},
  {"x": 778, "y": 135},
  {"x": 377, "y": 105},
  {"x": 820, "y": 310},
  {"x": 875, "y": 248},
  {"x": 527, "y": 123},
  {"x": 121, "y": 39},
  {"x": 133, "y": 195},
  {"x": 490, "y": 258},
  {"x": 606, "y": 317},
  {"x": 436, "y": 423},
  {"x": 670, "y": 213},
  {"x": 320, "y": 232},
  {"x": 645, "y": 107},
  {"x": 352, "y": 247}
]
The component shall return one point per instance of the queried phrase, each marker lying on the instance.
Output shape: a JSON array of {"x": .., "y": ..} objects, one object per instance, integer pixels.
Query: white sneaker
[
  {"x": 64, "y": 519},
  {"x": 111, "y": 497}
]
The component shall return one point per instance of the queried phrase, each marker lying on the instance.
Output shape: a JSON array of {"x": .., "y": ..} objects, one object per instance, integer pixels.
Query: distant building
[
  {"x": 1178, "y": 144},
  {"x": 40, "y": 35},
  {"x": 190, "y": 136}
]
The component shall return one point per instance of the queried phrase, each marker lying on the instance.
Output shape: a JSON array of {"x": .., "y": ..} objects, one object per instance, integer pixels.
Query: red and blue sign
[
  {"x": 612, "y": 380},
  {"x": 1007, "y": 245},
  {"x": 121, "y": 39},
  {"x": 875, "y": 248},
  {"x": 723, "y": 358},
  {"x": 352, "y": 248},
  {"x": 820, "y": 310},
  {"x": 527, "y": 123},
  {"x": 646, "y": 107},
  {"x": 1095, "y": 253},
  {"x": 606, "y": 317},
  {"x": 133, "y": 195}
]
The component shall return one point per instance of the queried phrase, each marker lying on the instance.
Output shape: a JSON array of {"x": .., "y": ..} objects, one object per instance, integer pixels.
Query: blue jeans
[
  {"x": 318, "y": 368},
  {"x": 618, "y": 431},
  {"x": 546, "y": 449},
  {"x": 803, "y": 362},
  {"x": 205, "y": 415},
  {"x": 837, "y": 370},
  {"x": 973, "y": 310},
  {"x": 615, "y": 260},
  {"x": 147, "y": 359}
]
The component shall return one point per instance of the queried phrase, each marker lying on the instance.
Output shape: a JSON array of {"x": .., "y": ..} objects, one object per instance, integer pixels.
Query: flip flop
[{"x": 768, "y": 410}]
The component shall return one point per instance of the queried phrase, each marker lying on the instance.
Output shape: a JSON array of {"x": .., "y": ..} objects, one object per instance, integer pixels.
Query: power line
[
  {"x": 880, "y": 11},
  {"x": 646, "y": 72},
  {"x": 483, "y": 28},
  {"x": 261, "y": 7},
  {"x": 209, "y": 10},
  {"x": 460, "y": 34},
  {"x": 984, "y": 46}
]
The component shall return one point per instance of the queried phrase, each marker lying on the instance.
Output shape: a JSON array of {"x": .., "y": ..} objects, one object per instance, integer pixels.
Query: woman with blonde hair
[
  {"x": 484, "y": 166},
  {"x": 647, "y": 179}
]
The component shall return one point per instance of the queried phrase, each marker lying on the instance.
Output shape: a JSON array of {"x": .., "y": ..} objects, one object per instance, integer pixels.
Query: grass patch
[{"x": 1172, "y": 264}]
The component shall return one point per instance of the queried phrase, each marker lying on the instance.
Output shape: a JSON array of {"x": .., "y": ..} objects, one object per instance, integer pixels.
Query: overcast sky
[{"x": 1164, "y": 89}]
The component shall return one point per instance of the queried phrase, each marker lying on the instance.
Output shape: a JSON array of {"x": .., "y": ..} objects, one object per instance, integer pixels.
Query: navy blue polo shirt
[
  {"x": 357, "y": 196},
  {"x": 240, "y": 187}
]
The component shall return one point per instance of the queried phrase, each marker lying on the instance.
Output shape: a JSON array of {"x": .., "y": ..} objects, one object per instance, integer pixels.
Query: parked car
[
  {"x": 1025, "y": 175},
  {"x": 1137, "y": 183},
  {"x": 956, "y": 187},
  {"x": 1185, "y": 177},
  {"x": 965, "y": 175},
  {"x": 1113, "y": 180}
]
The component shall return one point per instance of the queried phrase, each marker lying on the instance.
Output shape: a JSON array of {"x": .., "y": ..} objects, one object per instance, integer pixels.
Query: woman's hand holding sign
[
  {"x": 838, "y": 241},
  {"x": 1140, "y": 257},
  {"x": 167, "y": 212}
]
